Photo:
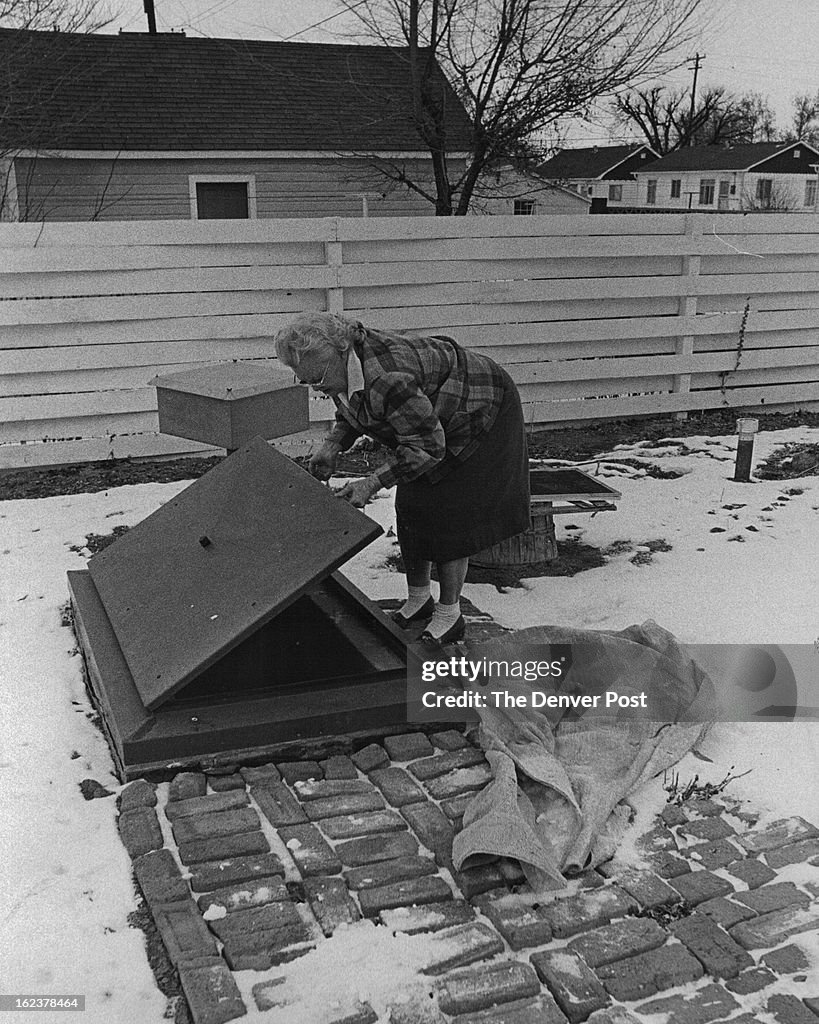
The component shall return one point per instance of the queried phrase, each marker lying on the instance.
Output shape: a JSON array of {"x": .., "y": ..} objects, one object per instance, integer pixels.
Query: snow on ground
[{"x": 65, "y": 884}]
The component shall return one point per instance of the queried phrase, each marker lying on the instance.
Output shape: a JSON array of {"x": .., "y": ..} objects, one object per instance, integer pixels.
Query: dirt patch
[
  {"x": 572, "y": 557},
  {"x": 573, "y": 443},
  {"x": 167, "y": 978},
  {"x": 95, "y": 542},
  {"x": 790, "y": 462}
]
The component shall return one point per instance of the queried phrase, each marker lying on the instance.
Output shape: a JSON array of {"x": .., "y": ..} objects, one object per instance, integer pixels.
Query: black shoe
[
  {"x": 455, "y": 632},
  {"x": 424, "y": 612}
]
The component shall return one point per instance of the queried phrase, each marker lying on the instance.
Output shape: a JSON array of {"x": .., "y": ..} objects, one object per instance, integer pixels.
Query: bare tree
[
  {"x": 518, "y": 66},
  {"x": 773, "y": 197},
  {"x": 805, "y": 123},
  {"x": 664, "y": 118}
]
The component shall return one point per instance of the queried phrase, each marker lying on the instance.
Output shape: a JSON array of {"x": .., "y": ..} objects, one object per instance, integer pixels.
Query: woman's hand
[
  {"x": 359, "y": 492},
  {"x": 323, "y": 462}
]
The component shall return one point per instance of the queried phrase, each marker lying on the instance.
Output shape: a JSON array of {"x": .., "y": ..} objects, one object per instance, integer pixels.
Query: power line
[{"x": 347, "y": 10}]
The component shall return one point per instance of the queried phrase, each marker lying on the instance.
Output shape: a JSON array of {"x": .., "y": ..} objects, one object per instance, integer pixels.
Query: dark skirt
[{"x": 478, "y": 502}]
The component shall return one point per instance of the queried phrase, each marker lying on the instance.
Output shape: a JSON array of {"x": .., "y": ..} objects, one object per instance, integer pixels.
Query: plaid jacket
[{"x": 425, "y": 398}]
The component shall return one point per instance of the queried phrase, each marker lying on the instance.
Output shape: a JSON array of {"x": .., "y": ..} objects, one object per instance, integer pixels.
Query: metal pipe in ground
[{"x": 746, "y": 431}]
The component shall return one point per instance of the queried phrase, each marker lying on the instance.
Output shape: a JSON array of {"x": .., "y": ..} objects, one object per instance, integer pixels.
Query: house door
[{"x": 724, "y": 192}]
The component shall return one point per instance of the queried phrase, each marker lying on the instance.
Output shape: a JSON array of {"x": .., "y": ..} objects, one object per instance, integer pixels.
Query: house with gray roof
[
  {"x": 763, "y": 176},
  {"x": 161, "y": 126},
  {"x": 600, "y": 172}
]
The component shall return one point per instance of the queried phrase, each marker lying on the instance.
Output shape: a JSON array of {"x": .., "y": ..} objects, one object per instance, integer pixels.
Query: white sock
[
  {"x": 444, "y": 616},
  {"x": 418, "y": 597}
]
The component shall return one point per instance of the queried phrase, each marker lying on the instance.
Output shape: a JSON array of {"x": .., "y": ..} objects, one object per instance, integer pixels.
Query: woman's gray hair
[{"x": 316, "y": 331}]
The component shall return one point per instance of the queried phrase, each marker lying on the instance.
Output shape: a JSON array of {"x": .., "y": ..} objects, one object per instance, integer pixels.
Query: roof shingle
[
  {"x": 587, "y": 162},
  {"x": 169, "y": 92}
]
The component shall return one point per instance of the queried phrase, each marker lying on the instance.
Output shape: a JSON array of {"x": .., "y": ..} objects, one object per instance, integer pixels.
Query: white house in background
[
  {"x": 600, "y": 172},
  {"x": 765, "y": 176},
  {"x": 507, "y": 189}
]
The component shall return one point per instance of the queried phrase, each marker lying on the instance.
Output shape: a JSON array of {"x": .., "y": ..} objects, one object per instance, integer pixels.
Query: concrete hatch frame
[{"x": 218, "y": 629}]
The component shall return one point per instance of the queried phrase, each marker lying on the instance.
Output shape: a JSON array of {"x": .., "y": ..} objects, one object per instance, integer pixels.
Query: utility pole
[
  {"x": 149, "y": 10},
  {"x": 697, "y": 58}
]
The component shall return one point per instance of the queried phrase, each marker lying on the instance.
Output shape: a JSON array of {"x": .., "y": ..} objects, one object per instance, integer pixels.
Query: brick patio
[{"x": 249, "y": 869}]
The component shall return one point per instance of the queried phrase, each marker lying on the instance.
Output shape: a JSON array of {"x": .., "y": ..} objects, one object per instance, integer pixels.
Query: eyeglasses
[{"x": 315, "y": 384}]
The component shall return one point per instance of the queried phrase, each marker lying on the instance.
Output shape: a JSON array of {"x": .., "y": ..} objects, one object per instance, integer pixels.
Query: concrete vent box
[
  {"x": 219, "y": 629},
  {"x": 227, "y": 404}
]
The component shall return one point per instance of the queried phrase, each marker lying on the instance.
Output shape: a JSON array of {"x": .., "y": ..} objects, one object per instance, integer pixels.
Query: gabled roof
[
  {"x": 722, "y": 158},
  {"x": 590, "y": 162},
  {"x": 168, "y": 92}
]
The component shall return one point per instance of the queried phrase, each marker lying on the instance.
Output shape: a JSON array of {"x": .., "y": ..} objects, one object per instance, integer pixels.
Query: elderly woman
[{"x": 453, "y": 422}]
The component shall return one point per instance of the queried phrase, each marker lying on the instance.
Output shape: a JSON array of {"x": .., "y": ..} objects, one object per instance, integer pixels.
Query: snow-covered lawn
[{"x": 65, "y": 882}]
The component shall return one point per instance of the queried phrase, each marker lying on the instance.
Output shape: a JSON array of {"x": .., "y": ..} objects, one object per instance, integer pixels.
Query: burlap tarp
[{"x": 556, "y": 802}]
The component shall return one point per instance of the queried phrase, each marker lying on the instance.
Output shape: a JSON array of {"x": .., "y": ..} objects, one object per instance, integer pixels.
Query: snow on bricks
[
  {"x": 397, "y": 786},
  {"x": 139, "y": 831},
  {"x": 617, "y": 941},
  {"x": 726, "y": 913},
  {"x": 752, "y": 872},
  {"x": 206, "y": 804},
  {"x": 186, "y": 785},
  {"x": 384, "y": 873},
  {"x": 542, "y": 1010},
  {"x": 460, "y": 780},
  {"x": 209, "y": 826},
  {"x": 370, "y": 757},
  {"x": 330, "y": 903},
  {"x": 712, "y": 1002},
  {"x": 575, "y": 988},
  {"x": 793, "y": 853},
  {"x": 136, "y": 794},
  {"x": 654, "y": 971},
  {"x": 576, "y": 914},
  {"x": 414, "y": 891},
  {"x": 442, "y": 764},
  {"x": 262, "y": 937},
  {"x": 780, "y": 833},
  {"x": 408, "y": 746},
  {"x": 320, "y": 789},
  {"x": 698, "y": 886},
  {"x": 718, "y": 953},
  {"x": 349, "y": 826},
  {"x": 211, "y": 992},
  {"x": 433, "y": 828},
  {"x": 478, "y": 988},
  {"x": 430, "y": 917},
  {"x": 373, "y": 849},
  {"x": 788, "y": 1009},
  {"x": 647, "y": 888},
  {"x": 207, "y": 877},
  {"x": 159, "y": 878},
  {"x": 184, "y": 933},
  {"x": 777, "y": 896},
  {"x": 344, "y": 803},
  {"x": 245, "y": 895},
  {"x": 299, "y": 771},
  {"x": 519, "y": 924},
  {"x": 310, "y": 850},
  {"x": 460, "y": 946},
  {"x": 772, "y": 929},
  {"x": 278, "y": 804},
  {"x": 339, "y": 766}
]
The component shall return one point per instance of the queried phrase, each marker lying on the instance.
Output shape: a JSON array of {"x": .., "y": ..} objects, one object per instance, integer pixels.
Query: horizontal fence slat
[
  {"x": 156, "y": 282},
  {"x": 593, "y": 316},
  {"x": 134, "y": 307}
]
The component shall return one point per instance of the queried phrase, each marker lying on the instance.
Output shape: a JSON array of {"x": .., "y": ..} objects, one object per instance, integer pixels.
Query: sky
[{"x": 766, "y": 46}]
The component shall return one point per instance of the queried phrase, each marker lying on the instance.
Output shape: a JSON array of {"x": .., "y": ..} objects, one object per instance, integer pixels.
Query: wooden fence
[{"x": 595, "y": 317}]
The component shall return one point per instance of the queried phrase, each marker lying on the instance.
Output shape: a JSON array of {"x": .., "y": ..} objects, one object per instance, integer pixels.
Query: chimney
[{"x": 151, "y": 13}]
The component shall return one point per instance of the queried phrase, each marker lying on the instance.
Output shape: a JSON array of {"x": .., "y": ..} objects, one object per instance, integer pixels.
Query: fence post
[{"x": 688, "y": 307}]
